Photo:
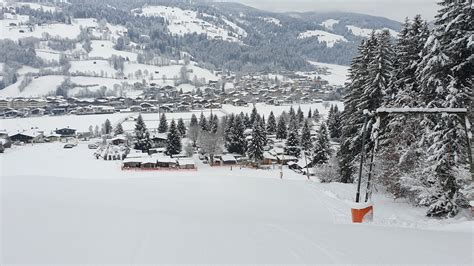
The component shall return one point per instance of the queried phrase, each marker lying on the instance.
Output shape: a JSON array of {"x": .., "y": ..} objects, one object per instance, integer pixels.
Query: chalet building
[
  {"x": 30, "y": 136},
  {"x": 119, "y": 140},
  {"x": 66, "y": 132},
  {"x": 4, "y": 104}
]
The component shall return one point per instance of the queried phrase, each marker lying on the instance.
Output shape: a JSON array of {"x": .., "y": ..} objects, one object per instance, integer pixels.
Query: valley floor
[{"x": 64, "y": 206}]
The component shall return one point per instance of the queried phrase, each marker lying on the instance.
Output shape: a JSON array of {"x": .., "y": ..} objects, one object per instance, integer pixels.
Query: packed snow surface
[
  {"x": 323, "y": 36},
  {"x": 66, "y": 207}
]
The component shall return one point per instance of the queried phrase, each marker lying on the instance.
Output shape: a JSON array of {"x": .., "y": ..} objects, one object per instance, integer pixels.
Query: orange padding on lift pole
[{"x": 361, "y": 215}]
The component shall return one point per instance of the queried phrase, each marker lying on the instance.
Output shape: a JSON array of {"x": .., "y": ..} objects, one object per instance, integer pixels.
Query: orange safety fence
[{"x": 157, "y": 169}]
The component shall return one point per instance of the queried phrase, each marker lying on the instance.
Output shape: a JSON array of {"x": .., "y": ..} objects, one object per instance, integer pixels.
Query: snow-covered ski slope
[{"x": 63, "y": 206}]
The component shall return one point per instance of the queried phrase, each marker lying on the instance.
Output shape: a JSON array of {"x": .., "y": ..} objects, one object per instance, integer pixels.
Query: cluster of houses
[
  {"x": 34, "y": 135},
  {"x": 242, "y": 91},
  {"x": 157, "y": 161}
]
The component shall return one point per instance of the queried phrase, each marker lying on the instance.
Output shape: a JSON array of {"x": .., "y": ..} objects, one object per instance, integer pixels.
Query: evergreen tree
[
  {"x": 306, "y": 143},
  {"x": 293, "y": 141},
  {"x": 194, "y": 121},
  {"x": 352, "y": 116},
  {"x": 263, "y": 127},
  {"x": 181, "y": 127},
  {"x": 281, "y": 128},
  {"x": 142, "y": 136},
  {"x": 271, "y": 124},
  {"x": 237, "y": 142},
  {"x": 203, "y": 123},
  {"x": 300, "y": 116},
  {"x": 310, "y": 114},
  {"x": 315, "y": 115},
  {"x": 119, "y": 129},
  {"x": 255, "y": 147},
  {"x": 163, "y": 127},
  {"x": 213, "y": 124},
  {"x": 107, "y": 127},
  {"x": 334, "y": 122},
  {"x": 228, "y": 130},
  {"x": 247, "y": 122},
  {"x": 322, "y": 148},
  {"x": 400, "y": 136},
  {"x": 445, "y": 75},
  {"x": 173, "y": 143},
  {"x": 253, "y": 116}
]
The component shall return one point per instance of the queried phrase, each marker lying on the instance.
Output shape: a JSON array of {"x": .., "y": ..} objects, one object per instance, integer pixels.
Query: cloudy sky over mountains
[{"x": 393, "y": 9}]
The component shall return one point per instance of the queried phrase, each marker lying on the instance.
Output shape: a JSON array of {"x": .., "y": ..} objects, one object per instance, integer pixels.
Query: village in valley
[
  {"x": 211, "y": 132},
  {"x": 293, "y": 138}
]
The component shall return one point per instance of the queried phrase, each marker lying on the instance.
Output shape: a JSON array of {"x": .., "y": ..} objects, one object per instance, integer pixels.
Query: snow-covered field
[
  {"x": 105, "y": 49},
  {"x": 82, "y": 122},
  {"x": 92, "y": 67},
  {"x": 337, "y": 74},
  {"x": 62, "y": 206},
  {"x": 323, "y": 36}
]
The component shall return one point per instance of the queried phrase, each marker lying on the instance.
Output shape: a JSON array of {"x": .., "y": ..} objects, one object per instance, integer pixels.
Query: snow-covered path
[{"x": 78, "y": 214}]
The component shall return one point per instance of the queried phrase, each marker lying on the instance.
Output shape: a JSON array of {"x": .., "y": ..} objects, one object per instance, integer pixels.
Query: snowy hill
[
  {"x": 181, "y": 22},
  {"x": 362, "y": 32},
  {"x": 323, "y": 36}
]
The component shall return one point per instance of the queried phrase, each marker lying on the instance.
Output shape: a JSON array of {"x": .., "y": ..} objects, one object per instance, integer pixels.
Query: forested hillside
[{"x": 265, "y": 41}]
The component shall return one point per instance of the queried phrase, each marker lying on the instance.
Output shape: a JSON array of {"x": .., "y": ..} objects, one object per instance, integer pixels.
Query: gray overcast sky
[{"x": 393, "y": 9}]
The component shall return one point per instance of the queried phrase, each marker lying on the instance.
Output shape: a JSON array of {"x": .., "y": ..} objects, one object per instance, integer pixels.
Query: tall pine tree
[
  {"x": 163, "y": 126},
  {"x": 173, "y": 143}
]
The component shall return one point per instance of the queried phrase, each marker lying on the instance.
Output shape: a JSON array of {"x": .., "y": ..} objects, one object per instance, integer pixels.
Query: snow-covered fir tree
[
  {"x": 305, "y": 140},
  {"x": 181, "y": 127},
  {"x": 246, "y": 120},
  {"x": 322, "y": 147},
  {"x": 193, "y": 121},
  {"x": 334, "y": 122},
  {"x": 237, "y": 142},
  {"x": 271, "y": 124},
  {"x": 142, "y": 135},
  {"x": 163, "y": 126},
  {"x": 281, "y": 130},
  {"x": 203, "y": 124},
  {"x": 213, "y": 124},
  {"x": 253, "y": 115},
  {"x": 369, "y": 74},
  {"x": 292, "y": 146},
  {"x": 107, "y": 127},
  {"x": 445, "y": 75},
  {"x": 228, "y": 128},
  {"x": 256, "y": 144},
  {"x": 173, "y": 142},
  {"x": 118, "y": 129},
  {"x": 400, "y": 148},
  {"x": 315, "y": 115},
  {"x": 300, "y": 116}
]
